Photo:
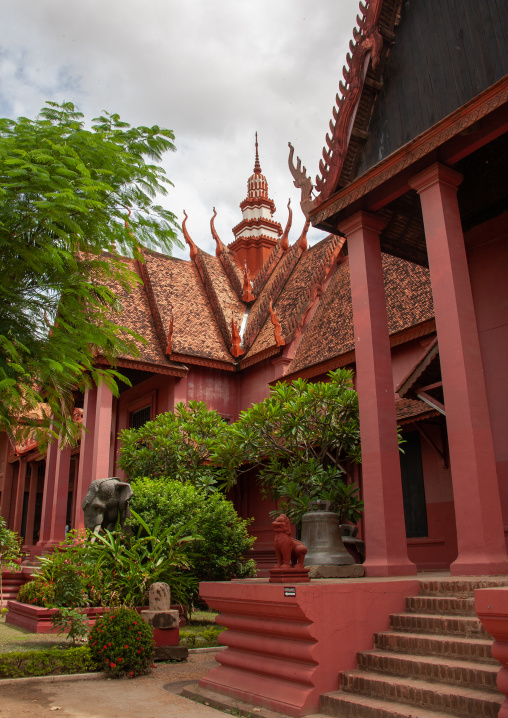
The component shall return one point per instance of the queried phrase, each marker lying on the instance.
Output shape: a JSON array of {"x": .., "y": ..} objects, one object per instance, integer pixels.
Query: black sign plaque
[{"x": 289, "y": 591}]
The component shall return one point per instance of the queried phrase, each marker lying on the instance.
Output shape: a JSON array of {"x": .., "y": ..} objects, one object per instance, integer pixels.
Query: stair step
[
  {"x": 429, "y": 668},
  {"x": 464, "y": 626},
  {"x": 346, "y": 705},
  {"x": 442, "y": 605},
  {"x": 473, "y": 649},
  {"x": 460, "y": 587},
  {"x": 424, "y": 695}
]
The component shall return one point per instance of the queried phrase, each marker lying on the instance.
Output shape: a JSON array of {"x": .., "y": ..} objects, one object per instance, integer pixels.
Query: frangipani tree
[{"x": 301, "y": 438}]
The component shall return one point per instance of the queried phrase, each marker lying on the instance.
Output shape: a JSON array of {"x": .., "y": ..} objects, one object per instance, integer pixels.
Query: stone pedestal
[
  {"x": 492, "y": 608},
  {"x": 165, "y": 624},
  {"x": 354, "y": 570}
]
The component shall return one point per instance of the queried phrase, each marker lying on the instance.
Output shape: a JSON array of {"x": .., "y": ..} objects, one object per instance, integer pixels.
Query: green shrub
[
  {"x": 220, "y": 556},
  {"x": 37, "y": 592},
  {"x": 121, "y": 644},
  {"x": 21, "y": 664}
]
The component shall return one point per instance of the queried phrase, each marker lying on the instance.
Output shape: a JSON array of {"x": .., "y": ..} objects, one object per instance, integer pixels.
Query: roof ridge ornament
[
  {"x": 284, "y": 242},
  {"x": 169, "y": 346},
  {"x": 187, "y": 237},
  {"x": 247, "y": 285},
  {"x": 277, "y": 328},
  {"x": 302, "y": 240},
  {"x": 301, "y": 181},
  {"x": 218, "y": 241},
  {"x": 236, "y": 349}
]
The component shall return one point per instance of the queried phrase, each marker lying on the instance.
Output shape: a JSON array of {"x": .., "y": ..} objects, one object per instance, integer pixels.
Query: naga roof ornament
[
  {"x": 364, "y": 52},
  {"x": 169, "y": 346},
  {"x": 218, "y": 249},
  {"x": 236, "y": 349},
  {"x": 284, "y": 241},
  {"x": 277, "y": 328},
  {"x": 247, "y": 286},
  {"x": 193, "y": 248}
]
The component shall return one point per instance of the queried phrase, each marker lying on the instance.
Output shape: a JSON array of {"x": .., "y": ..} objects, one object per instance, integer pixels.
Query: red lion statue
[{"x": 289, "y": 550}]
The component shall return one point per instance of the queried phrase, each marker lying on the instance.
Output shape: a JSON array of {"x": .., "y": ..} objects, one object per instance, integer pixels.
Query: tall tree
[{"x": 68, "y": 194}]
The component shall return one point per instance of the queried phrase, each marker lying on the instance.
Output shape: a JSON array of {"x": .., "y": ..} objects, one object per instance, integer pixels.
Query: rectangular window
[{"x": 140, "y": 417}]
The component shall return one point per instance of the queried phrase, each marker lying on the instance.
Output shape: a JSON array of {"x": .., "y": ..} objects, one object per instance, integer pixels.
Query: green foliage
[
  {"x": 37, "y": 592},
  {"x": 67, "y": 195},
  {"x": 200, "y": 637},
  {"x": 121, "y": 644},
  {"x": 71, "y": 621},
  {"x": 113, "y": 568},
  {"x": 301, "y": 437},
  {"x": 22, "y": 664},
  {"x": 175, "y": 445},
  {"x": 10, "y": 551},
  {"x": 220, "y": 555}
]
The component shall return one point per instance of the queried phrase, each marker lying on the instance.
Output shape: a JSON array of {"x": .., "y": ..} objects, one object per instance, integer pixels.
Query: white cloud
[{"x": 214, "y": 71}]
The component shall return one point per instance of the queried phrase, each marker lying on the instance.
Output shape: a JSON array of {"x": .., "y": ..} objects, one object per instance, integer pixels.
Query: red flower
[
  {"x": 119, "y": 659},
  {"x": 135, "y": 623},
  {"x": 109, "y": 644},
  {"x": 126, "y": 646},
  {"x": 131, "y": 673},
  {"x": 138, "y": 651},
  {"x": 112, "y": 665}
]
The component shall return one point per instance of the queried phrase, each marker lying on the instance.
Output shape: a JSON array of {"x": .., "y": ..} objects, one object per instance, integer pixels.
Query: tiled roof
[
  {"x": 330, "y": 333},
  {"x": 409, "y": 410},
  {"x": 298, "y": 291},
  {"x": 179, "y": 290},
  {"x": 137, "y": 316}
]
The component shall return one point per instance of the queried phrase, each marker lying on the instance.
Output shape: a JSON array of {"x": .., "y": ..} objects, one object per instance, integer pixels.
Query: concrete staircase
[{"x": 435, "y": 662}]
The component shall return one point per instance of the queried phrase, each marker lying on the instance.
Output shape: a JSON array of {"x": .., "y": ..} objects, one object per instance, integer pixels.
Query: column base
[
  {"x": 480, "y": 567},
  {"x": 381, "y": 568}
]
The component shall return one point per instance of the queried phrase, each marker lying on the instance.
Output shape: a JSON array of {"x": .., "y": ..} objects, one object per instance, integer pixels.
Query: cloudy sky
[{"x": 213, "y": 71}]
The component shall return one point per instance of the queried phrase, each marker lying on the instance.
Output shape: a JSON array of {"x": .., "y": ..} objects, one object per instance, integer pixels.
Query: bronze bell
[{"x": 321, "y": 534}]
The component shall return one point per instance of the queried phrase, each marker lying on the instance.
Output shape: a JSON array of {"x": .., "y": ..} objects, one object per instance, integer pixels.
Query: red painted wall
[{"x": 218, "y": 389}]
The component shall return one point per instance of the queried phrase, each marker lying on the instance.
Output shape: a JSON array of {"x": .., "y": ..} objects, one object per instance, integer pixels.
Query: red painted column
[
  {"x": 102, "y": 437},
  {"x": 94, "y": 455},
  {"x": 480, "y": 534},
  {"x": 20, "y": 495},
  {"x": 48, "y": 495},
  {"x": 32, "y": 497},
  {"x": 385, "y": 531},
  {"x": 84, "y": 477},
  {"x": 58, "y": 515}
]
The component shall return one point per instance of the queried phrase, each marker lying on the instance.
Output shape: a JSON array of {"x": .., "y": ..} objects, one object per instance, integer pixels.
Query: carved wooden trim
[
  {"x": 145, "y": 366},
  {"x": 259, "y": 356},
  {"x": 452, "y": 125}
]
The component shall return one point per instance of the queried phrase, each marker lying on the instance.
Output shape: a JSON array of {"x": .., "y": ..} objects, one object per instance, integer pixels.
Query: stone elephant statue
[{"x": 105, "y": 500}]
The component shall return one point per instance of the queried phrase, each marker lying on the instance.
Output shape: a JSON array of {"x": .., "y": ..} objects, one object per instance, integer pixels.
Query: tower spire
[{"x": 257, "y": 166}]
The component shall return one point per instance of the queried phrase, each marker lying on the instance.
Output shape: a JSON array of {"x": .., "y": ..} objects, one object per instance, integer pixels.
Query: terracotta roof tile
[
  {"x": 136, "y": 315},
  {"x": 413, "y": 410},
  {"x": 178, "y": 288},
  {"x": 330, "y": 333},
  {"x": 220, "y": 291}
]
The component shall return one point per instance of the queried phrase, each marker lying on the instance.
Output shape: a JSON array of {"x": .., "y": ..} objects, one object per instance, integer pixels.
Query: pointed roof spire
[{"x": 257, "y": 166}]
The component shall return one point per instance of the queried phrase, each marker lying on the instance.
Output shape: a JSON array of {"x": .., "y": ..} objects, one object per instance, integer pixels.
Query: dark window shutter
[{"x": 413, "y": 488}]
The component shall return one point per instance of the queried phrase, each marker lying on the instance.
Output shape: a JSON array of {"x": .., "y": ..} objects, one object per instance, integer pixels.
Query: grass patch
[
  {"x": 55, "y": 661},
  {"x": 201, "y": 631}
]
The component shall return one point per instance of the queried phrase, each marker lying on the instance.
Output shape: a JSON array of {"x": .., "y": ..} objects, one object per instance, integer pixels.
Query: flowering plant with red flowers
[{"x": 121, "y": 644}]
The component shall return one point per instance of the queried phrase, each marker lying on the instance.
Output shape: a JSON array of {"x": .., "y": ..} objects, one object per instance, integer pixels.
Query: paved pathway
[{"x": 151, "y": 696}]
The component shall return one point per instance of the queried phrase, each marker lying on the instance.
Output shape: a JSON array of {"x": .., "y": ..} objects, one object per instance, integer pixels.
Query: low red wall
[
  {"x": 37, "y": 619},
  {"x": 283, "y": 650}
]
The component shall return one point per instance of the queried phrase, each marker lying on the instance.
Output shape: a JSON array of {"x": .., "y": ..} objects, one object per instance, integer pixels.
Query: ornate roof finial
[
  {"x": 257, "y": 166},
  {"x": 218, "y": 249},
  {"x": 277, "y": 328},
  {"x": 302, "y": 241},
  {"x": 193, "y": 248},
  {"x": 284, "y": 242},
  {"x": 236, "y": 349},
  {"x": 247, "y": 290}
]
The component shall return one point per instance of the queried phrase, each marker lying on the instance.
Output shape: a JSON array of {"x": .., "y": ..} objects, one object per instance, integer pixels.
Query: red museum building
[{"x": 409, "y": 289}]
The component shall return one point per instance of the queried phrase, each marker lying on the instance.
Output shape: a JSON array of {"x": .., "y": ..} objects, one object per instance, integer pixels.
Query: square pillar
[
  {"x": 20, "y": 495},
  {"x": 480, "y": 533},
  {"x": 385, "y": 530},
  {"x": 32, "y": 497},
  {"x": 94, "y": 455},
  {"x": 48, "y": 495}
]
